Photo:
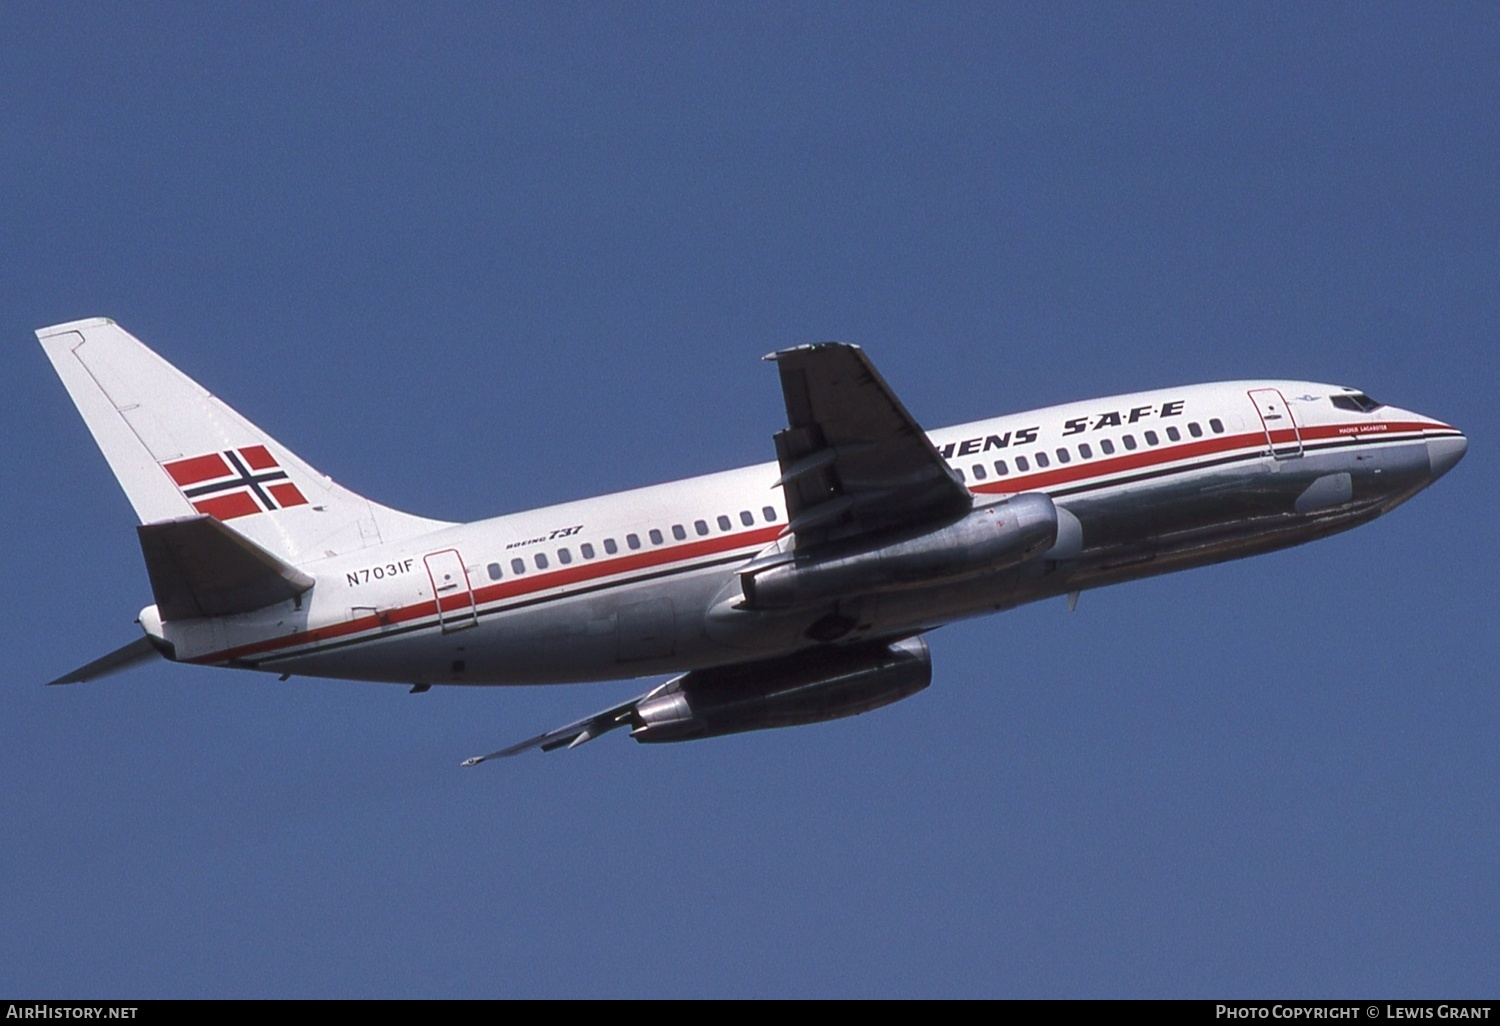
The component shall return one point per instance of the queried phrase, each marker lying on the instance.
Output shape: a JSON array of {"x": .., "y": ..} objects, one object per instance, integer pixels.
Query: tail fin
[{"x": 179, "y": 452}]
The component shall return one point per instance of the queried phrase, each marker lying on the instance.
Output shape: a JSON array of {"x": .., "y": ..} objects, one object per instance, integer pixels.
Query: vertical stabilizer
[{"x": 179, "y": 452}]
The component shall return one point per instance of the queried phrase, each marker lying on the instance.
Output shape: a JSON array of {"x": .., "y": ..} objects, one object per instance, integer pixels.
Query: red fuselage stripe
[
  {"x": 595, "y": 570},
  {"x": 1158, "y": 455},
  {"x": 518, "y": 586}
]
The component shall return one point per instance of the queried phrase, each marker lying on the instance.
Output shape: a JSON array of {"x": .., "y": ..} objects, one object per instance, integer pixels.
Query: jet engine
[
  {"x": 812, "y": 686},
  {"x": 990, "y": 538}
]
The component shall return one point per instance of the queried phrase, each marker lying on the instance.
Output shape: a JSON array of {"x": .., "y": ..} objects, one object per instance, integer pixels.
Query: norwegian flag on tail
[{"x": 235, "y": 482}]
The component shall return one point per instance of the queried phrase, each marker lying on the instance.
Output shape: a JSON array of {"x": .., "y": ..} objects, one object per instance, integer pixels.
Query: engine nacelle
[
  {"x": 990, "y": 538},
  {"x": 810, "y": 687}
]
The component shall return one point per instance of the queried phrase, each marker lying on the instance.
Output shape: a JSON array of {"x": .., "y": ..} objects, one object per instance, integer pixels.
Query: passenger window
[
  {"x": 679, "y": 532},
  {"x": 1106, "y": 446},
  {"x": 541, "y": 561},
  {"x": 1129, "y": 441},
  {"x": 587, "y": 550},
  {"x": 610, "y": 546},
  {"x": 1216, "y": 425},
  {"x": 1194, "y": 429},
  {"x": 960, "y": 473},
  {"x": 1063, "y": 456},
  {"x": 769, "y": 512},
  {"x": 1085, "y": 451},
  {"x": 747, "y": 518},
  {"x": 1022, "y": 465},
  {"x": 564, "y": 556},
  {"x": 979, "y": 474},
  {"x": 1174, "y": 434},
  {"x": 655, "y": 536},
  {"x": 494, "y": 571},
  {"x": 1151, "y": 438},
  {"x": 724, "y": 523},
  {"x": 1042, "y": 460},
  {"x": 633, "y": 540},
  {"x": 1001, "y": 469},
  {"x": 700, "y": 527},
  {"x": 518, "y": 565}
]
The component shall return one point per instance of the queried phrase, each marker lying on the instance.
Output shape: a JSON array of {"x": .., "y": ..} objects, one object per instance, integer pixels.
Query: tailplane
[
  {"x": 181, "y": 453},
  {"x": 199, "y": 567}
]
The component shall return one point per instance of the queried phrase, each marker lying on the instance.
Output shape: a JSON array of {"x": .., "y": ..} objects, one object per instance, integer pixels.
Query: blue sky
[{"x": 474, "y": 258}]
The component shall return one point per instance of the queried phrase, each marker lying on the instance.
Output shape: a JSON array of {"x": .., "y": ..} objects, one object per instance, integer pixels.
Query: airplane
[{"x": 787, "y": 593}]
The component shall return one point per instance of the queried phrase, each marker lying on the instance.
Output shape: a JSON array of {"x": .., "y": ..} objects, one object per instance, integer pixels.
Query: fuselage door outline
[
  {"x": 453, "y": 595},
  {"x": 1282, "y": 433}
]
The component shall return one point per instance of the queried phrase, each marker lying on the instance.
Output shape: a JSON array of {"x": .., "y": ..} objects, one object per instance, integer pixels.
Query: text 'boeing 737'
[{"x": 776, "y": 595}]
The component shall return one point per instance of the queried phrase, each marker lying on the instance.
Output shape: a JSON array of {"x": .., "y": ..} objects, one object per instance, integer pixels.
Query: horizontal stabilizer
[
  {"x": 199, "y": 567},
  {"x": 138, "y": 651}
]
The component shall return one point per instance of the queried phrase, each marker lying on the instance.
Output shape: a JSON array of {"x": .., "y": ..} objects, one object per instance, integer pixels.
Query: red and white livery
[{"x": 790, "y": 592}]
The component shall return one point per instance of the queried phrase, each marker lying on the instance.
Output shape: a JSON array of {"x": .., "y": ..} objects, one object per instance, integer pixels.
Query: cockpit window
[{"x": 1358, "y": 402}]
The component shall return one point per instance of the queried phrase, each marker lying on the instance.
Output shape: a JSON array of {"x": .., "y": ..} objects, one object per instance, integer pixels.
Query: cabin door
[
  {"x": 1282, "y": 433},
  {"x": 451, "y": 592}
]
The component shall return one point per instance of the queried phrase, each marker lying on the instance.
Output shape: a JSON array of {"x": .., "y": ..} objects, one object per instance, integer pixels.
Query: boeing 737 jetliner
[{"x": 780, "y": 594}]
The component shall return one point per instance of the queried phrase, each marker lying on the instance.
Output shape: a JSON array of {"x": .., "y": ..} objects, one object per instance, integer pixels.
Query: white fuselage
[{"x": 644, "y": 581}]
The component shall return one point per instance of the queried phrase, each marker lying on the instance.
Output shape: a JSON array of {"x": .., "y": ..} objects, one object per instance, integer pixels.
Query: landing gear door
[
  {"x": 1282, "y": 432},
  {"x": 451, "y": 591}
]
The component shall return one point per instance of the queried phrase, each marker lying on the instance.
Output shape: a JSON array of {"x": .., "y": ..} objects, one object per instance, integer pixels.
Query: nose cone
[{"x": 1444, "y": 453}]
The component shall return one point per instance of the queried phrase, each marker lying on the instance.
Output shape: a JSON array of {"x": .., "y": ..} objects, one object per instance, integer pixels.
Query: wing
[
  {"x": 572, "y": 735},
  {"x": 853, "y": 460}
]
